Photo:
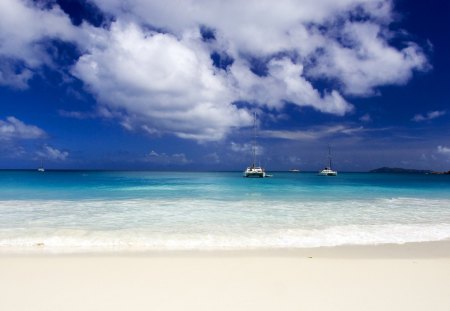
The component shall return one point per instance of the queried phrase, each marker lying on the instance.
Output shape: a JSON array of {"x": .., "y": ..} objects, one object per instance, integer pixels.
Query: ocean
[{"x": 102, "y": 211}]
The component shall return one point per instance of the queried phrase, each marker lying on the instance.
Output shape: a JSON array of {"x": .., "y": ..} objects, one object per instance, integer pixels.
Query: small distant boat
[
  {"x": 41, "y": 168},
  {"x": 254, "y": 170},
  {"x": 328, "y": 171},
  {"x": 294, "y": 170}
]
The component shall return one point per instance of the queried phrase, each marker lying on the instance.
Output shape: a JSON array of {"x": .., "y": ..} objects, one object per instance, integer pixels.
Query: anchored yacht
[
  {"x": 254, "y": 170},
  {"x": 328, "y": 171},
  {"x": 41, "y": 168}
]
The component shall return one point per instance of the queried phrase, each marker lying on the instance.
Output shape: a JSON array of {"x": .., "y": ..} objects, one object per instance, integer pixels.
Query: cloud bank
[{"x": 180, "y": 67}]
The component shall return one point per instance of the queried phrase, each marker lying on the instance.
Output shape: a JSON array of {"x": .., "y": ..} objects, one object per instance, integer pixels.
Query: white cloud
[
  {"x": 163, "y": 158},
  {"x": 246, "y": 148},
  {"x": 12, "y": 128},
  {"x": 295, "y": 160},
  {"x": 161, "y": 84},
  {"x": 24, "y": 26},
  {"x": 52, "y": 153},
  {"x": 262, "y": 28},
  {"x": 213, "y": 158},
  {"x": 366, "y": 60},
  {"x": 428, "y": 116},
  {"x": 443, "y": 150},
  {"x": 77, "y": 114},
  {"x": 365, "y": 118},
  {"x": 12, "y": 151},
  {"x": 312, "y": 134},
  {"x": 236, "y": 147},
  {"x": 10, "y": 77},
  {"x": 166, "y": 83},
  {"x": 285, "y": 82},
  {"x": 257, "y": 27}
]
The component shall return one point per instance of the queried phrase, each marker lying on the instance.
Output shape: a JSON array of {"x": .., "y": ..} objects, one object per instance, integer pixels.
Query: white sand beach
[{"x": 409, "y": 277}]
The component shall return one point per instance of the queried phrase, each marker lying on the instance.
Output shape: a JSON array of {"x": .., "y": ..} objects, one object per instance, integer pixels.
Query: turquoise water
[{"x": 120, "y": 211}]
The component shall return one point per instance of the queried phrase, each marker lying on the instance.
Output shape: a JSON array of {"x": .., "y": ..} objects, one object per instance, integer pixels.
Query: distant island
[
  {"x": 441, "y": 173},
  {"x": 400, "y": 170}
]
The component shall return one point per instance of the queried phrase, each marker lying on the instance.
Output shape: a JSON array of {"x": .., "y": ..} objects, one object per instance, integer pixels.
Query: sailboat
[
  {"x": 254, "y": 170},
  {"x": 328, "y": 171},
  {"x": 41, "y": 168}
]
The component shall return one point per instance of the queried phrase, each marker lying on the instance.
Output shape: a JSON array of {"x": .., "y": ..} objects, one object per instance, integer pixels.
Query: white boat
[
  {"x": 41, "y": 168},
  {"x": 254, "y": 170},
  {"x": 294, "y": 170},
  {"x": 328, "y": 171}
]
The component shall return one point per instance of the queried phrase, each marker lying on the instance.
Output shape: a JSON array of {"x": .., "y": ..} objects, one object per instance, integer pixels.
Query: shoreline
[{"x": 428, "y": 249}]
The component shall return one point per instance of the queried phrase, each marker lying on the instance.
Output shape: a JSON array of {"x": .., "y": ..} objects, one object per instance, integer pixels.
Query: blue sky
[{"x": 97, "y": 84}]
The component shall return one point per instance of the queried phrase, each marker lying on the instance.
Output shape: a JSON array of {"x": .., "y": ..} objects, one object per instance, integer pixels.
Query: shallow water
[{"x": 97, "y": 211}]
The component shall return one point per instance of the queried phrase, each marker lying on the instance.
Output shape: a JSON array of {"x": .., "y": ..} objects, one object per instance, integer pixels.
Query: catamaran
[
  {"x": 327, "y": 171},
  {"x": 41, "y": 168},
  {"x": 254, "y": 170}
]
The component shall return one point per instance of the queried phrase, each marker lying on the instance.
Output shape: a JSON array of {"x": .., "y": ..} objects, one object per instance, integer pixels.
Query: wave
[
  {"x": 70, "y": 240},
  {"x": 194, "y": 224}
]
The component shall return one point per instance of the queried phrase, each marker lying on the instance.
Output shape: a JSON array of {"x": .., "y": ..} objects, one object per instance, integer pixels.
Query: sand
[{"x": 391, "y": 277}]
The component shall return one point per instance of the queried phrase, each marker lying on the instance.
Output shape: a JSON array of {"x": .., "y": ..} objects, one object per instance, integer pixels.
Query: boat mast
[
  {"x": 254, "y": 139},
  {"x": 329, "y": 155}
]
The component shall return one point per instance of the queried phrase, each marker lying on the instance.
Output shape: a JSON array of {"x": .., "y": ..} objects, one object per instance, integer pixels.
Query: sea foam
[{"x": 198, "y": 224}]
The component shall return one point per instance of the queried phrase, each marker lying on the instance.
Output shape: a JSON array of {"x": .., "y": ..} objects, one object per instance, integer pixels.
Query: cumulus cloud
[
  {"x": 428, "y": 116},
  {"x": 364, "y": 60},
  {"x": 24, "y": 28},
  {"x": 162, "y": 83},
  {"x": 257, "y": 27},
  {"x": 52, "y": 153},
  {"x": 443, "y": 150},
  {"x": 285, "y": 82},
  {"x": 358, "y": 54},
  {"x": 175, "y": 88},
  {"x": 152, "y": 70},
  {"x": 12, "y": 128}
]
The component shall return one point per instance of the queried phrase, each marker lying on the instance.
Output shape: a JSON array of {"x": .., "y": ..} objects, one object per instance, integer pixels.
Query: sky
[{"x": 174, "y": 85}]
